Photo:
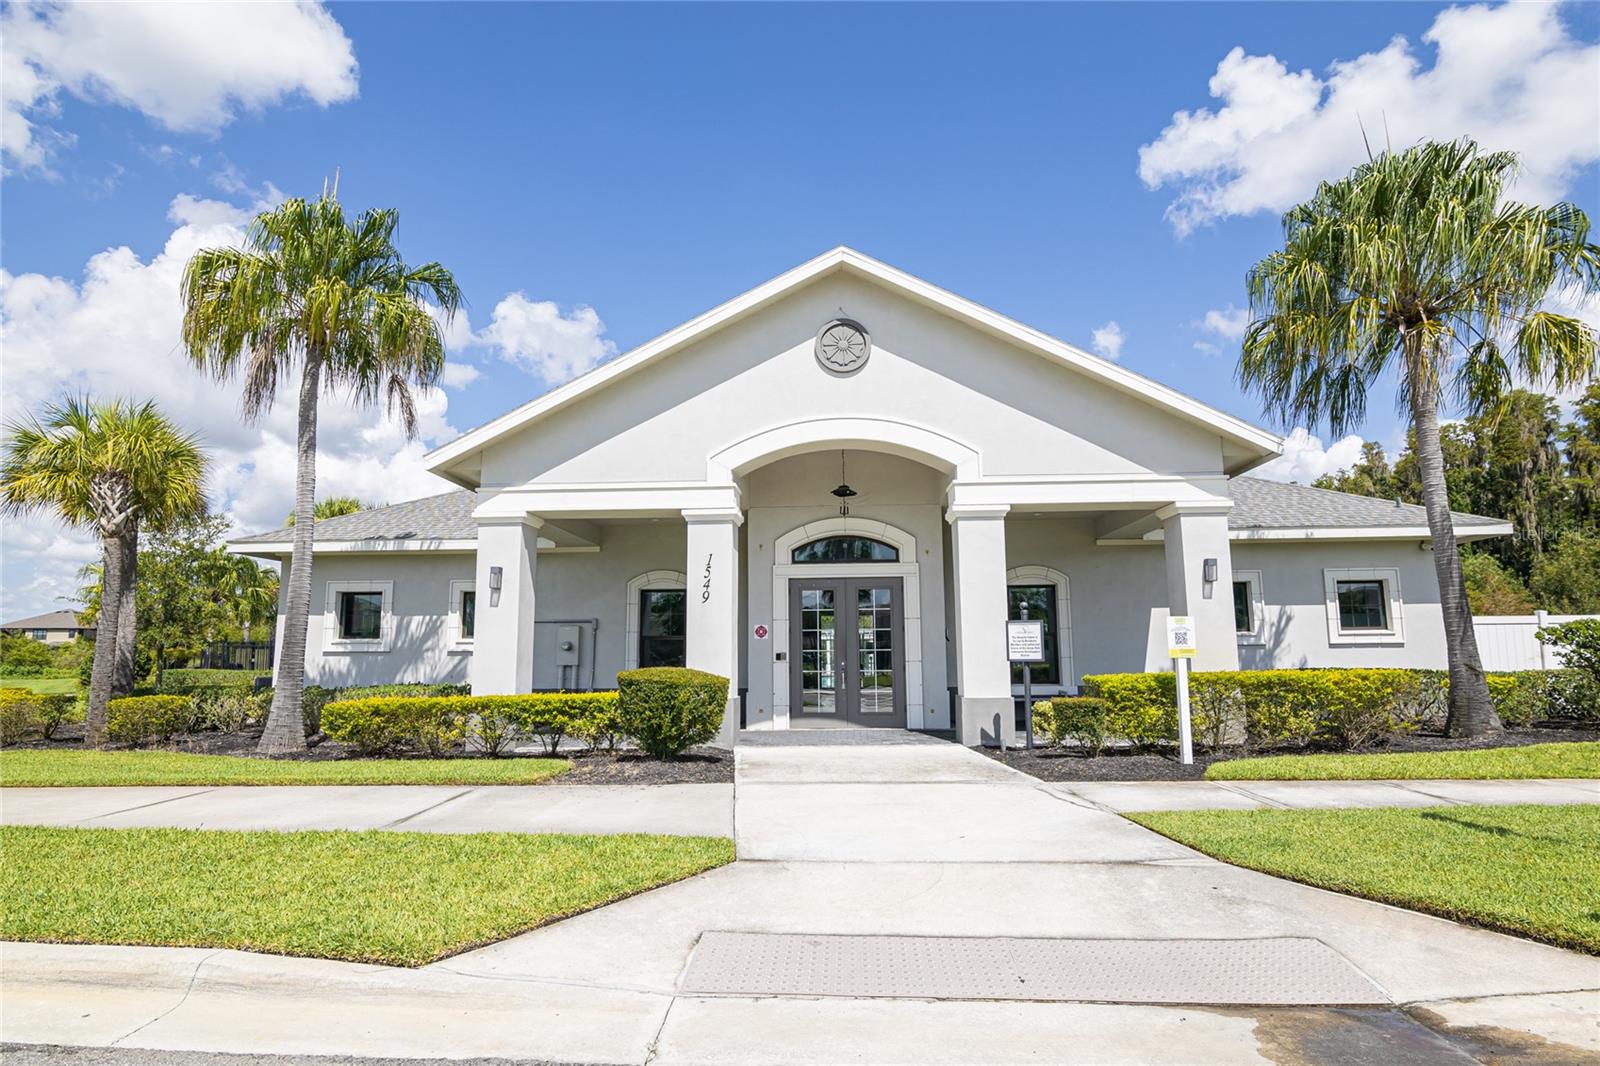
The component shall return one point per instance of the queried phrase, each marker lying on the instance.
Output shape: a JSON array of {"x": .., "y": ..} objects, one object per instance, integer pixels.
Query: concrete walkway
[
  {"x": 678, "y": 810},
  {"x": 881, "y": 843},
  {"x": 1312, "y": 795}
]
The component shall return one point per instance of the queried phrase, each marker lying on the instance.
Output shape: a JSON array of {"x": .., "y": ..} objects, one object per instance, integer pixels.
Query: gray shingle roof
[
  {"x": 1262, "y": 504},
  {"x": 445, "y": 517},
  {"x": 1257, "y": 504},
  {"x": 48, "y": 620}
]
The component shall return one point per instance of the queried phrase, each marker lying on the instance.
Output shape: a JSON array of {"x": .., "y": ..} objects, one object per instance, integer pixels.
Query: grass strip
[
  {"x": 42, "y": 768},
  {"x": 1529, "y": 870},
  {"x": 396, "y": 898},
  {"x": 1533, "y": 760}
]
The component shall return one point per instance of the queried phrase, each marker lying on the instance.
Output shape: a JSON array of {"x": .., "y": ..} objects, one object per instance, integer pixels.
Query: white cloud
[
  {"x": 459, "y": 375},
  {"x": 456, "y": 331},
  {"x": 1107, "y": 340},
  {"x": 536, "y": 336},
  {"x": 1229, "y": 324},
  {"x": 190, "y": 66},
  {"x": 1304, "y": 459},
  {"x": 115, "y": 332},
  {"x": 1510, "y": 76}
]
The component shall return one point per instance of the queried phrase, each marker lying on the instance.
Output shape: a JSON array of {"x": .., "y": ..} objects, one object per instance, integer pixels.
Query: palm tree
[
  {"x": 250, "y": 592},
  {"x": 314, "y": 292},
  {"x": 332, "y": 507},
  {"x": 116, "y": 466},
  {"x": 1416, "y": 263}
]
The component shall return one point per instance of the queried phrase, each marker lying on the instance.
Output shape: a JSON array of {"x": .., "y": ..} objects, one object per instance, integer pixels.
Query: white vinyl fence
[{"x": 1507, "y": 641}]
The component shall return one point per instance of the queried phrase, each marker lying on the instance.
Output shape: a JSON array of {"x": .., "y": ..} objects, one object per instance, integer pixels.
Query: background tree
[
  {"x": 180, "y": 591},
  {"x": 114, "y": 466},
  {"x": 332, "y": 507},
  {"x": 313, "y": 292},
  {"x": 1415, "y": 265},
  {"x": 249, "y": 594}
]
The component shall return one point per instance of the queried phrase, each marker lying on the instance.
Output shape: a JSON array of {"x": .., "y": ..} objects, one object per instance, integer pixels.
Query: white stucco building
[{"x": 677, "y": 505}]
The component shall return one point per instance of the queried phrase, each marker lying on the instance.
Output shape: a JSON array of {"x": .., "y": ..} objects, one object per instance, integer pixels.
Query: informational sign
[
  {"x": 1025, "y": 641},
  {"x": 761, "y": 631},
  {"x": 1180, "y": 637}
]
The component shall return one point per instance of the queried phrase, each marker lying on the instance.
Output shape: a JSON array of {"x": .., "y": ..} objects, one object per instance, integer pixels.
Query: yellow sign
[{"x": 1180, "y": 637}]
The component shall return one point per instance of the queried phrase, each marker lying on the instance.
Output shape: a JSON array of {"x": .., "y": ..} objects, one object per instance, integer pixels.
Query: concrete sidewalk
[
  {"x": 678, "y": 810},
  {"x": 881, "y": 843},
  {"x": 1311, "y": 795}
]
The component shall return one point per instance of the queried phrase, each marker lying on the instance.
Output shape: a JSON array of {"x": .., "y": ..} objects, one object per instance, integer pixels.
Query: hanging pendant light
[{"x": 844, "y": 492}]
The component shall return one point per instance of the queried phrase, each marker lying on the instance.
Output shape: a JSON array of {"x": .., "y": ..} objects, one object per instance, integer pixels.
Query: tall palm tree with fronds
[
  {"x": 330, "y": 298},
  {"x": 116, "y": 466},
  {"x": 1417, "y": 264}
]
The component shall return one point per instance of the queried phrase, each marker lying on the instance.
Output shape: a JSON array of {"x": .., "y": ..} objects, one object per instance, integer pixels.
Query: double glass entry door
[{"x": 847, "y": 662}]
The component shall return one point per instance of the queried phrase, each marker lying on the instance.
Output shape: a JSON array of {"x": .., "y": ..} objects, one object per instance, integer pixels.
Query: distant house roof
[
  {"x": 48, "y": 620},
  {"x": 1260, "y": 507}
]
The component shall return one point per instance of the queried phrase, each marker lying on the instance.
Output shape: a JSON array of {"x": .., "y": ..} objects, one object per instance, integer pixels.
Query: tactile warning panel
[{"x": 1269, "y": 971}]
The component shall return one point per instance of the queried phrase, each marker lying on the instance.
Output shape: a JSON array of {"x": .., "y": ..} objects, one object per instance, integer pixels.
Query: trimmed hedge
[
  {"x": 182, "y": 680},
  {"x": 25, "y": 713},
  {"x": 667, "y": 710},
  {"x": 315, "y": 697},
  {"x": 137, "y": 719},
  {"x": 1333, "y": 708},
  {"x": 437, "y": 725},
  {"x": 1080, "y": 719}
]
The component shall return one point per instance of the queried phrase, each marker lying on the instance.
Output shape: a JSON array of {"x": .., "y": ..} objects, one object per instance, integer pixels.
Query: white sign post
[
  {"x": 1025, "y": 645},
  {"x": 1181, "y": 648}
]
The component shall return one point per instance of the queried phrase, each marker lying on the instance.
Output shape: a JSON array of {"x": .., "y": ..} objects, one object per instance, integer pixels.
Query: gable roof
[
  {"x": 48, "y": 620},
  {"x": 1253, "y": 445},
  {"x": 1260, "y": 507},
  {"x": 1264, "y": 507}
]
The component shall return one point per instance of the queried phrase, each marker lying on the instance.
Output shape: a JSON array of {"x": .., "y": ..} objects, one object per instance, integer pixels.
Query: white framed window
[
  {"x": 358, "y": 616},
  {"x": 1048, "y": 594},
  {"x": 1364, "y": 605},
  {"x": 462, "y": 614},
  {"x": 655, "y": 619},
  {"x": 1249, "y": 608}
]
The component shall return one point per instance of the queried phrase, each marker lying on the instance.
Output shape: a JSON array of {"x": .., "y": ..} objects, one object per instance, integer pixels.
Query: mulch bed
[
  {"x": 700, "y": 765},
  {"x": 1068, "y": 764}
]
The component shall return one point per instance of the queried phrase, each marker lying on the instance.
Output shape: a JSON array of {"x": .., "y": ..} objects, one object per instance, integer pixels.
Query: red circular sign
[{"x": 761, "y": 632}]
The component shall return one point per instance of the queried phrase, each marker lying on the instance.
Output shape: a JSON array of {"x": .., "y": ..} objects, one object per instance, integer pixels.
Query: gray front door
[{"x": 847, "y": 661}]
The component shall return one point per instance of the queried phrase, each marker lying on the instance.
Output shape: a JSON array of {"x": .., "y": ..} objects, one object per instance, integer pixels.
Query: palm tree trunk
[
  {"x": 114, "y": 554},
  {"x": 123, "y": 679},
  {"x": 1471, "y": 710},
  {"x": 286, "y": 731}
]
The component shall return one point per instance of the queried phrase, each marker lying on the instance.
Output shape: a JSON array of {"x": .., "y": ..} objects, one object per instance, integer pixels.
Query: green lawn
[
  {"x": 395, "y": 898},
  {"x": 1535, "y": 760},
  {"x": 1533, "y": 871},
  {"x": 61, "y": 767},
  {"x": 41, "y": 684}
]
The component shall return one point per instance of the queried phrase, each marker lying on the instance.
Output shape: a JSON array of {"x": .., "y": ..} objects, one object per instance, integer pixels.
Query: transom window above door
[{"x": 845, "y": 549}]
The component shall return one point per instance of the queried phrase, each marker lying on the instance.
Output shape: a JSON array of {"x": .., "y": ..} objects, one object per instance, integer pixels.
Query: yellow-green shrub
[
  {"x": 1271, "y": 708},
  {"x": 436, "y": 725},
  {"x": 137, "y": 719},
  {"x": 25, "y": 713},
  {"x": 1081, "y": 719},
  {"x": 668, "y": 709}
]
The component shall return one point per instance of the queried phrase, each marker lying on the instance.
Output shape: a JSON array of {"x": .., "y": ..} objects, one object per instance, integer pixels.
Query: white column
[
  {"x": 502, "y": 644},
  {"x": 1193, "y": 534},
  {"x": 711, "y": 640},
  {"x": 983, "y": 676}
]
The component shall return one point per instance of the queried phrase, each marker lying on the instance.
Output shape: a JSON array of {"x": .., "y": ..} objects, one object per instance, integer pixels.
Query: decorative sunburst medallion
[{"x": 843, "y": 346}]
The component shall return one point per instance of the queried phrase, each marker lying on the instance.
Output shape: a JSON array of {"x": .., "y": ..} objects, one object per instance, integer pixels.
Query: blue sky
[{"x": 646, "y": 163}]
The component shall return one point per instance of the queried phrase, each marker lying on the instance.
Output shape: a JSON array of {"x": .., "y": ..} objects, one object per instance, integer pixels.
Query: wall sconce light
[
  {"x": 1210, "y": 570},
  {"x": 494, "y": 578}
]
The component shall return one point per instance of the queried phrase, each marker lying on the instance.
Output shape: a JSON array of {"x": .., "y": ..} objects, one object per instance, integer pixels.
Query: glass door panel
[
  {"x": 875, "y": 650},
  {"x": 819, "y": 660}
]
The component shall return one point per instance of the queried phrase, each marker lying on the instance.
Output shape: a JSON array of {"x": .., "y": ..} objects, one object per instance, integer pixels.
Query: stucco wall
[
  {"x": 1296, "y": 616},
  {"x": 1023, "y": 413},
  {"x": 588, "y": 585}
]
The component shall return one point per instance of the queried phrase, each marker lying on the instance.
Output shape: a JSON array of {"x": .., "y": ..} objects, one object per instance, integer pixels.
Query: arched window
[{"x": 845, "y": 549}]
